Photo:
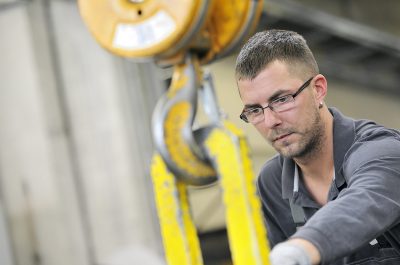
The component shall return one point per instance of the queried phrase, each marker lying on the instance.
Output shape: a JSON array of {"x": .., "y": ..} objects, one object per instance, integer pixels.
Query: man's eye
[
  {"x": 281, "y": 100},
  {"x": 254, "y": 111}
]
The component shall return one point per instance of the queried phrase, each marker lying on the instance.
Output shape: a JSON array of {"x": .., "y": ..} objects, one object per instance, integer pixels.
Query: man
[{"x": 331, "y": 194}]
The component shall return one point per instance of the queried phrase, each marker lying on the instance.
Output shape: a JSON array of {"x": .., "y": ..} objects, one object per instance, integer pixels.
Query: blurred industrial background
[{"x": 75, "y": 125}]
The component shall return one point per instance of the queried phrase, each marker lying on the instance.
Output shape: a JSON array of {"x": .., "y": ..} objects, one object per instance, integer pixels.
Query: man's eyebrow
[
  {"x": 278, "y": 94},
  {"x": 252, "y": 106}
]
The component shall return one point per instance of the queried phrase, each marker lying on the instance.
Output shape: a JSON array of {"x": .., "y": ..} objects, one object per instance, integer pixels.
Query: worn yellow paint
[
  {"x": 109, "y": 22},
  {"x": 228, "y": 148},
  {"x": 103, "y": 17},
  {"x": 228, "y": 19},
  {"x": 247, "y": 235},
  {"x": 179, "y": 80},
  {"x": 179, "y": 234},
  {"x": 179, "y": 151},
  {"x": 250, "y": 179}
]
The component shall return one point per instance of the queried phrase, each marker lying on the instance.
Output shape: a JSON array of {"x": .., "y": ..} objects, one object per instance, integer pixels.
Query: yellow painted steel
[
  {"x": 179, "y": 234},
  {"x": 180, "y": 79},
  {"x": 229, "y": 19},
  {"x": 250, "y": 178},
  {"x": 143, "y": 29},
  {"x": 165, "y": 30},
  {"x": 247, "y": 235},
  {"x": 228, "y": 150},
  {"x": 178, "y": 110},
  {"x": 179, "y": 150}
]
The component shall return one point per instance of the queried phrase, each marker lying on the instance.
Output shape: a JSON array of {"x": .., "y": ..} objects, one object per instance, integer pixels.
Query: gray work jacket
[{"x": 363, "y": 201}]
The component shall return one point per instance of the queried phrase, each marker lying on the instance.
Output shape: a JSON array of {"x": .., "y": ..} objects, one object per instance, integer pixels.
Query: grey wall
[{"x": 75, "y": 142}]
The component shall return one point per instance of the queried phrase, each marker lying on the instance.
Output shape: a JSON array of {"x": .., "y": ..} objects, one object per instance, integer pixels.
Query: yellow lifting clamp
[
  {"x": 188, "y": 34},
  {"x": 224, "y": 151}
]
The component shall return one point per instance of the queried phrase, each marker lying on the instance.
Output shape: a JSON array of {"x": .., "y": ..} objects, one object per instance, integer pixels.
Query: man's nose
[{"x": 271, "y": 118}]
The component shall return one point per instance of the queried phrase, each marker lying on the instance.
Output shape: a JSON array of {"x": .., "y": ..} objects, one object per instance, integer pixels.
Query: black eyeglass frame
[{"x": 302, "y": 87}]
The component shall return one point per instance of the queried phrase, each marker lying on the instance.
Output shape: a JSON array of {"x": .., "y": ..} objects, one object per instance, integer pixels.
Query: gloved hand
[{"x": 287, "y": 253}]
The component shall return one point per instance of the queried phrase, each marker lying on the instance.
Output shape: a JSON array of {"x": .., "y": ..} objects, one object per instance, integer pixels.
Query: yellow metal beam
[
  {"x": 179, "y": 234},
  {"x": 247, "y": 235}
]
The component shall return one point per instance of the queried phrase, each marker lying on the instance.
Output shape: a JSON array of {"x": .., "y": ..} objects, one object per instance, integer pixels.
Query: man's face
[{"x": 296, "y": 132}]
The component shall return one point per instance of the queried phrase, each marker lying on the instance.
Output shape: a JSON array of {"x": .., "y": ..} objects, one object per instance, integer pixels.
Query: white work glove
[{"x": 287, "y": 253}]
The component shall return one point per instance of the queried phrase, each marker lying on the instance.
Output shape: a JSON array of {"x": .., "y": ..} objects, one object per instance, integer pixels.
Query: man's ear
[{"x": 320, "y": 88}]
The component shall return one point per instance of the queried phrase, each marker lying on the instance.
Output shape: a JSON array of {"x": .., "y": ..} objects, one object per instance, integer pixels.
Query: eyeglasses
[{"x": 255, "y": 115}]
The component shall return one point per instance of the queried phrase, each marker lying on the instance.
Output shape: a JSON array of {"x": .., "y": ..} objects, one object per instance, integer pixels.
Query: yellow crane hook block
[
  {"x": 188, "y": 34},
  {"x": 165, "y": 30}
]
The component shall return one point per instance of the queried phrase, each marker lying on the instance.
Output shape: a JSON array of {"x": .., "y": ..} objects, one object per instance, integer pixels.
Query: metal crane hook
[{"x": 172, "y": 127}]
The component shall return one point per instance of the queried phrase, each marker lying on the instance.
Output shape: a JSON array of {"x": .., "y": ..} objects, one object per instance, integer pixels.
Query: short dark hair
[{"x": 270, "y": 45}]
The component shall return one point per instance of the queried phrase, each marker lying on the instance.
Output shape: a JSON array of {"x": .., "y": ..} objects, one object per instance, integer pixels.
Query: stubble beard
[{"x": 309, "y": 145}]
